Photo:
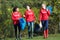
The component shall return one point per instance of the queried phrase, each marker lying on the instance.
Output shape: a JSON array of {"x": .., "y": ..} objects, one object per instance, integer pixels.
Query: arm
[
  {"x": 19, "y": 16},
  {"x": 48, "y": 12},
  {"x": 25, "y": 14},
  {"x": 13, "y": 18},
  {"x": 40, "y": 15},
  {"x": 34, "y": 15},
  {"x": 16, "y": 16}
]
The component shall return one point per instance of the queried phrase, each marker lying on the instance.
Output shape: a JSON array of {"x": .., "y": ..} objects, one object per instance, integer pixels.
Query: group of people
[{"x": 30, "y": 18}]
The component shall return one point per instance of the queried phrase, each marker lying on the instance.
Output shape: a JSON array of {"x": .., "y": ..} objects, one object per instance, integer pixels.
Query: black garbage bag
[{"x": 37, "y": 29}]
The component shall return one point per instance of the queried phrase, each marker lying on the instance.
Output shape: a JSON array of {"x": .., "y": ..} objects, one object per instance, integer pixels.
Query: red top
[
  {"x": 44, "y": 14},
  {"x": 15, "y": 17},
  {"x": 29, "y": 15}
]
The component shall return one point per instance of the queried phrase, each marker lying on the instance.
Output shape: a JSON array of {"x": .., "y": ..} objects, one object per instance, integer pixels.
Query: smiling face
[{"x": 44, "y": 6}]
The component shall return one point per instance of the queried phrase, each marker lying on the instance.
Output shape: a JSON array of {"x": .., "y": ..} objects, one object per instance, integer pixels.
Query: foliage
[{"x": 6, "y": 25}]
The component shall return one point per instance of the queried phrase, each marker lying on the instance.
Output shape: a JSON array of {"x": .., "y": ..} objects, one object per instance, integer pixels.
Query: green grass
[{"x": 51, "y": 37}]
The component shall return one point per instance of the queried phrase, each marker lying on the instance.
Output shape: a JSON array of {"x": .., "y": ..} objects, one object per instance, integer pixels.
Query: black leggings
[{"x": 19, "y": 29}]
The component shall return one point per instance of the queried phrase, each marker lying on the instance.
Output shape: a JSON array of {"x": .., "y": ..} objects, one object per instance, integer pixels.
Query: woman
[
  {"x": 30, "y": 18},
  {"x": 16, "y": 15},
  {"x": 43, "y": 17}
]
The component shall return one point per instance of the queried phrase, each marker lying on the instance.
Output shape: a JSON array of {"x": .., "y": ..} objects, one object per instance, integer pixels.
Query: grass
[{"x": 51, "y": 37}]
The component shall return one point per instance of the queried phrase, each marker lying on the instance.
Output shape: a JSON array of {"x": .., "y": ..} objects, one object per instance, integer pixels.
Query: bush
[{"x": 7, "y": 26}]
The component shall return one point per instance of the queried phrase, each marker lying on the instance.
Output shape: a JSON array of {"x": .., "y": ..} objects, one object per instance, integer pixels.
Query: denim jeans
[
  {"x": 45, "y": 24},
  {"x": 30, "y": 28}
]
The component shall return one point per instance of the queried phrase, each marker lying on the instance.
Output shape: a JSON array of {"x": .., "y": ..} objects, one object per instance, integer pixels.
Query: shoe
[
  {"x": 16, "y": 39},
  {"x": 29, "y": 34},
  {"x": 47, "y": 33},
  {"x": 44, "y": 34}
]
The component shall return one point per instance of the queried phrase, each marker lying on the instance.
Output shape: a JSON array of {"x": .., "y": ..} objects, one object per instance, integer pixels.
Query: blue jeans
[
  {"x": 30, "y": 28},
  {"x": 45, "y": 24}
]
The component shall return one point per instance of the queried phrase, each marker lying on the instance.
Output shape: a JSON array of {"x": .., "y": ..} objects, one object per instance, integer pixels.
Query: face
[
  {"x": 44, "y": 6},
  {"x": 17, "y": 9},
  {"x": 28, "y": 8}
]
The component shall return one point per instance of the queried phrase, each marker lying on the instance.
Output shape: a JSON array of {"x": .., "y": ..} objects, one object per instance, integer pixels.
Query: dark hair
[{"x": 14, "y": 9}]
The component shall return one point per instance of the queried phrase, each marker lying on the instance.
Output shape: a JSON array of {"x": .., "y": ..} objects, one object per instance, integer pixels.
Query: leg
[
  {"x": 44, "y": 31},
  {"x": 47, "y": 33},
  {"x": 29, "y": 29},
  {"x": 46, "y": 28},
  {"x": 15, "y": 28},
  {"x": 19, "y": 28},
  {"x": 32, "y": 28},
  {"x": 43, "y": 26}
]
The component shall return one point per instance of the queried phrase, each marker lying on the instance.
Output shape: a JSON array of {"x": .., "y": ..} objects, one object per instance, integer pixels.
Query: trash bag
[
  {"x": 22, "y": 22},
  {"x": 37, "y": 28}
]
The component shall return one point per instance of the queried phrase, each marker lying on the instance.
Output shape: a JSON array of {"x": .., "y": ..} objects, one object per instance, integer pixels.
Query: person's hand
[
  {"x": 23, "y": 15},
  {"x": 38, "y": 21},
  {"x": 47, "y": 9},
  {"x": 35, "y": 21}
]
